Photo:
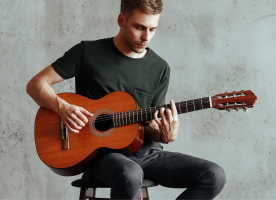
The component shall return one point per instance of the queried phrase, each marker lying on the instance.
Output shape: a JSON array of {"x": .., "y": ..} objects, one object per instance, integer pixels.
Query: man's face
[{"x": 139, "y": 30}]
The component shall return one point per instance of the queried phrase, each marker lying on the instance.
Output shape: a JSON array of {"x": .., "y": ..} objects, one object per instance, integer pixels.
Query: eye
[{"x": 139, "y": 27}]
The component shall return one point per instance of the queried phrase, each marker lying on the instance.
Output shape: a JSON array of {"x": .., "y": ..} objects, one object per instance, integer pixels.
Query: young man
[{"x": 125, "y": 63}]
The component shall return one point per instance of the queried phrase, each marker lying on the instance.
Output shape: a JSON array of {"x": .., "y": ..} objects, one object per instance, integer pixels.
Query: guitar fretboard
[{"x": 145, "y": 114}]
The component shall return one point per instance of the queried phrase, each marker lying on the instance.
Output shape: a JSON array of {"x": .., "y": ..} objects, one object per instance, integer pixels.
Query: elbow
[{"x": 29, "y": 87}]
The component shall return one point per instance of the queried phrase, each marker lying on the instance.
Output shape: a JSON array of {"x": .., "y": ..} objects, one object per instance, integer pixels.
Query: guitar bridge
[{"x": 64, "y": 136}]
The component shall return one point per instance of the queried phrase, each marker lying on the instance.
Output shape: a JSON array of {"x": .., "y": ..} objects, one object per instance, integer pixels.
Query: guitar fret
[
  {"x": 116, "y": 120},
  {"x": 146, "y": 115},
  {"x": 179, "y": 107},
  {"x": 113, "y": 121},
  {"x": 186, "y": 106},
  {"x": 129, "y": 117},
  {"x": 194, "y": 104},
  {"x": 126, "y": 117},
  {"x": 201, "y": 103},
  {"x": 142, "y": 115},
  {"x": 119, "y": 120}
]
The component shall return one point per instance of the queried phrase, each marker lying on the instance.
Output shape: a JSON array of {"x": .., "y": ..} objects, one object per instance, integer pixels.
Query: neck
[
  {"x": 122, "y": 46},
  {"x": 145, "y": 114}
]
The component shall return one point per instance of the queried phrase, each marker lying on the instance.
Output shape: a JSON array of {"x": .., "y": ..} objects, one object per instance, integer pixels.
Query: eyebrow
[{"x": 137, "y": 24}]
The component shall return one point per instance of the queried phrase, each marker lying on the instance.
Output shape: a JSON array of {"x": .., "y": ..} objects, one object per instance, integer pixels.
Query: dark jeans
[{"x": 203, "y": 179}]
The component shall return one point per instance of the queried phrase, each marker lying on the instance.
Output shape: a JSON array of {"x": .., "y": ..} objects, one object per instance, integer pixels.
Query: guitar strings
[
  {"x": 135, "y": 113},
  {"x": 145, "y": 110}
]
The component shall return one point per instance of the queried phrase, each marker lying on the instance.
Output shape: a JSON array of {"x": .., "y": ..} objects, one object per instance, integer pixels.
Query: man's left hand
[{"x": 168, "y": 125}]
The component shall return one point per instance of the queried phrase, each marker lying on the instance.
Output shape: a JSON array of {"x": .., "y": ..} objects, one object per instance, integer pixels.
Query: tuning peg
[
  {"x": 245, "y": 109},
  {"x": 237, "y": 109},
  {"x": 226, "y": 92},
  {"x": 228, "y": 109},
  {"x": 234, "y": 91}
]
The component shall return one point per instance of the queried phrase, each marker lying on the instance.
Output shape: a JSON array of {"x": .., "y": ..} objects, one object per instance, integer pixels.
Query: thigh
[
  {"x": 108, "y": 165},
  {"x": 175, "y": 170}
]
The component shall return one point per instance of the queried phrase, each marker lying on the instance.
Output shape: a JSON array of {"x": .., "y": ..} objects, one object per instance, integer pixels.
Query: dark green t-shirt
[{"x": 100, "y": 68}]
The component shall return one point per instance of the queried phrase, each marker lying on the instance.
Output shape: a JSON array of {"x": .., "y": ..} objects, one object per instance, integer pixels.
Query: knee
[
  {"x": 214, "y": 179},
  {"x": 131, "y": 174}
]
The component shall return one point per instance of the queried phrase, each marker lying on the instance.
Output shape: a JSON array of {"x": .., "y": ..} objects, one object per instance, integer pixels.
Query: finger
[
  {"x": 82, "y": 117},
  {"x": 73, "y": 124},
  {"x": 163, "y": 116},
  {"x": 174, "y": 110},
  {"x": 86, "y": 112},
  {"x": 156, "y": 118},
  {"x": 70, "y": 128},
  {"x": 169, "y": 115},
  {"x": 76, "y": 119}
]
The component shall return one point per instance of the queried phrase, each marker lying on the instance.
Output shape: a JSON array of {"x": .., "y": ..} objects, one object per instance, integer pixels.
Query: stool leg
[
  {"x": 93, "y": 195},
  {"x": 83, "y": 193},
  {"x": 144, "y": 194}
]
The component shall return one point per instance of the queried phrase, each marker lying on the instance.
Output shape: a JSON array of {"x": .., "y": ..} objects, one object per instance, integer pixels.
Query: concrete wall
[{"x": 212, "y": 46}]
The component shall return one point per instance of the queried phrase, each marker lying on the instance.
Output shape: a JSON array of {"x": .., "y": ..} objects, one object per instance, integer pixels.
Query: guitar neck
[{"x": 145, "y": 114}]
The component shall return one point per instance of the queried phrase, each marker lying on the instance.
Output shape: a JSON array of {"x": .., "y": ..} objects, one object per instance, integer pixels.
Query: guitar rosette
[{"x": 99, "y": 124}]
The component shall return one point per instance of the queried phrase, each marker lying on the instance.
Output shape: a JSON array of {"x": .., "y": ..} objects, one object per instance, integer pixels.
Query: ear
[{"x": 121, "y": 20}]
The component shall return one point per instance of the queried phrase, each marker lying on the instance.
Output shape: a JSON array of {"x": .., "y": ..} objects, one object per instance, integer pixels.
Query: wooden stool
[{"x": 89, "y": 186}]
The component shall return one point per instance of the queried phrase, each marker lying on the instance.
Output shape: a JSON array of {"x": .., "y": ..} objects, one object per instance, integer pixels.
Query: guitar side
[{"x": 84, "y": 147}]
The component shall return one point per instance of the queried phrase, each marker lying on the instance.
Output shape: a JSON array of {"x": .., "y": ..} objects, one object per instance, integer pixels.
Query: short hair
[{"x": 148, "y": 6}]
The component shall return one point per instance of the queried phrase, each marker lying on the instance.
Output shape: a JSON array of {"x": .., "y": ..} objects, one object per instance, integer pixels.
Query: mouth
[{"x": 141, "y": 45}]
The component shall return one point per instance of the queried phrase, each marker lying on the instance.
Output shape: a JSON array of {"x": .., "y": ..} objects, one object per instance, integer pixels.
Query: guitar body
[{"x": 89, "y": 143}]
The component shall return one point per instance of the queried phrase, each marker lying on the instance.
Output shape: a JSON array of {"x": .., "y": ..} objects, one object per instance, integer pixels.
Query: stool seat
[{"x": 91, "y": 183}]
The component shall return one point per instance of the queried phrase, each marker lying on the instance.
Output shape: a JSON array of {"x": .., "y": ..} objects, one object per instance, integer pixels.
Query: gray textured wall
[{"x": 212, "y": 46}]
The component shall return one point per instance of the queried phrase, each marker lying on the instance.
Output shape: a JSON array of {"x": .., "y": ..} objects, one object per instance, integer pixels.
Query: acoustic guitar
[{"x": 116, "y": 124}]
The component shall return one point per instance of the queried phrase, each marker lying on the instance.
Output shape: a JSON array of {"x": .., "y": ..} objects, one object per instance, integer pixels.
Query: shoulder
[{"x": 96, "y": 43}]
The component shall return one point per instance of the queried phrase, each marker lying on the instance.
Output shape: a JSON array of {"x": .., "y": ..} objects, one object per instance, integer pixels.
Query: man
[{"x": 125, "y": 63}]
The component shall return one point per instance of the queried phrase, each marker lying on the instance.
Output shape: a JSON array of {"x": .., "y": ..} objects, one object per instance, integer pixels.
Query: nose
[{"x": 146, "y": 35}]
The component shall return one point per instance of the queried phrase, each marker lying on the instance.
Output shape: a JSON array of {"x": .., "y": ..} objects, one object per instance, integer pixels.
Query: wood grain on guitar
[{"x": 116, "y": 125}]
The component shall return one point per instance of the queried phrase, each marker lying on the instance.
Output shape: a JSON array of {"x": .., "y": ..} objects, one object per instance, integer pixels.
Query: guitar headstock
[{"x": 234, "y": 100}]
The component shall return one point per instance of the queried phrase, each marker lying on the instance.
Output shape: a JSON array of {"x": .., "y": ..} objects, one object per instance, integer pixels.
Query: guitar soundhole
[{"x": 103, "y": 122}]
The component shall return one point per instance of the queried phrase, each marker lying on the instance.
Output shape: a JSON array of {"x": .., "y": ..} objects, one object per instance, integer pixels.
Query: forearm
[
  {"x": 42, "y": 93},
  {"x": 39, "y": 88}
]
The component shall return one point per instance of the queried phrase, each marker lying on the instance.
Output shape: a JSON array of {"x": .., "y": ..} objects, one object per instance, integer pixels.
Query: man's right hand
[
  {"x": 39, "y": 88},
  {"x": 73, "y": 116}
]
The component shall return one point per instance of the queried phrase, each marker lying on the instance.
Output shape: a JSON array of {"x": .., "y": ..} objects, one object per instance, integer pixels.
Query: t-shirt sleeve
[
  {"x": 71, "y": 63},
  {"x": 160, "y": 95}
]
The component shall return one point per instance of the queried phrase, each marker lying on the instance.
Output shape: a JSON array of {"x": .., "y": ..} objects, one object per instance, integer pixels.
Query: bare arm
[
  {"x": 39, "y": 88},
  {"x": 167, "y": 126}
]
